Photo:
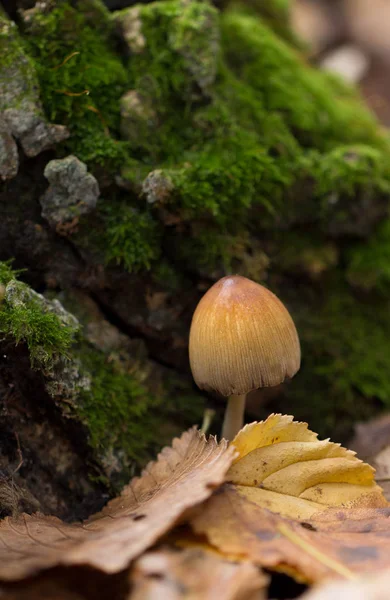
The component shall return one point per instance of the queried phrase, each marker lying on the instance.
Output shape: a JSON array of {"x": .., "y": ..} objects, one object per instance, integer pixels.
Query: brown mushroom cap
[{"x": 242, "y": 338}]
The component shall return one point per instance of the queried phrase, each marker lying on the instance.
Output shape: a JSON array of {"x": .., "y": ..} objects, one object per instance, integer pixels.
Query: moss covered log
[
  {"x": 210, "y": 146},
  {"x": 96, "y": 388}
]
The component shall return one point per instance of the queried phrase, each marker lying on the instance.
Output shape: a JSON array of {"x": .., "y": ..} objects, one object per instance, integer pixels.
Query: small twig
[
  {"x": 19, "y": 451},
  {"x": 67, "y": 93},
  {"x": 65, "y": 60},
  {"x": 315, "y": 553}
]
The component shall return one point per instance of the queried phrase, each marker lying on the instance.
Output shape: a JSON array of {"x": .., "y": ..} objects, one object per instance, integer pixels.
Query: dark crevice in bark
[{"x": 42, "y": 451}]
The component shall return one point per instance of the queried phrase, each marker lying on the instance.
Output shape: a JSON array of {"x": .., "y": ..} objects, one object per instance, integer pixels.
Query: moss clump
[
  {"x": 123, "y": 412},
  {"x": 268, "y": 127},
  {"x": 276, "y": 14},
  {"x": 120, "y": 234},
  {"x": 81, "y": 78},
  {"x": 247, "y": 132},
  {"x": 123, "y": 415},
  {"x": 18, "y": 80},
  {"x": 42, "y": 332},
  {"x": 24, "y": 317},
  {"x": 131, "y": 237},
  {"x": 7, "y": 272},
  {"x": 119, "y": 411},
  {"x": 179, "y": 35},
  {"x": 319, "y": 110}
]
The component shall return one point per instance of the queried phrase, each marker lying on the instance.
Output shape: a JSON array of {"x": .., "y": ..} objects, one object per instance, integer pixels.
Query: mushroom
[{"x": 242, "y": 338}]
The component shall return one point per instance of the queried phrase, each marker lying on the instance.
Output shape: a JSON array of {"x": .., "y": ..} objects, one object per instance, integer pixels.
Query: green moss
[
  {"x": 224, "y": 179},
  {"x": 131, "y": 237},
  {"x": 276, "y": 14},
  {"x": 123, "y": 415},
  {"x": 345, "y": 357},
  {"x": 178, "y": 35},
  {"x": 240, "y": 120},
  {"x": 24, "y": 318},
  {"x": 235, "y": 128},
  {"x": 119, "y": 411},
  {"x": 320, "y": 110},
  {"x": 270, "y": 125},
  {"x": 42, "y": 332},
  {"x": 369, "y": 262},
  {"x": 7, "y": 272},
  {"x": 18, "y": 79},
  {"x": 81, "y": 79},
  {"x": 349, "y": 172}
]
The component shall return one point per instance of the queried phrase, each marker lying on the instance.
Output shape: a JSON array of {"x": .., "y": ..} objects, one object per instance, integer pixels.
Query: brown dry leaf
[
  {"x": 336, "y": 542},
  {"x": 281, "y": 465},
  {"x": 195, "y": 574},
  {"x": 183, "y": 476},
  {"x": 282, "y": 475}
]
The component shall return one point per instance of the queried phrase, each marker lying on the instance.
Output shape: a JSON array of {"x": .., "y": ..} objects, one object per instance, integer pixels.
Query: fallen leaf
[
  {"x": 194, "y": 574},
  {"x": 281, "y": 465},
  {"x": 373, "y": 587},
  {"x": 183, "y": 476},
  {"x": 334, "y": 543},
  {"x": 297, "y": 504}
]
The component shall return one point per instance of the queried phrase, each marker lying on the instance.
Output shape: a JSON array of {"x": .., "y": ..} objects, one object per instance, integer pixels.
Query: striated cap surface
[{"x": 242, "y": 338}]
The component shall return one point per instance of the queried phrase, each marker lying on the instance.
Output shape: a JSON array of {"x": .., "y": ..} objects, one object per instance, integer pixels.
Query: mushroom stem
[{"x": 234, "y": 416}]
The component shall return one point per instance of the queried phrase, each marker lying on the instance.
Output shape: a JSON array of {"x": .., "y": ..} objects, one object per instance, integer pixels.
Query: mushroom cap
[{"x": 242, "y": 338}]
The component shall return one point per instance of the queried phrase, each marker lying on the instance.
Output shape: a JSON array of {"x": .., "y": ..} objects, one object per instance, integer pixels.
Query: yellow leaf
[
  {"x": 282, "y": 466},
  {"x": 293, "y": 503},
  {"x": 275, "y": 429}
]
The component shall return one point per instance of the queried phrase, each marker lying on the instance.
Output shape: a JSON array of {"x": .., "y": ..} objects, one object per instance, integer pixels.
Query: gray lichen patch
[
  {"x": 72, "y": 192},
  {"x": 33, "y": 131},
  {"x": 157, "y": 187},
  {"x": 19, "y": 97}
]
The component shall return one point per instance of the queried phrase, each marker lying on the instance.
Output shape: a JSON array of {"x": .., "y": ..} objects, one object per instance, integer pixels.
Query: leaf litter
[
  {"x": 183, "y": 476},
  {"x": 293, "y": 503},
  {"x": 275, "y": 498},
  {"x": 195, "y": 573}
]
